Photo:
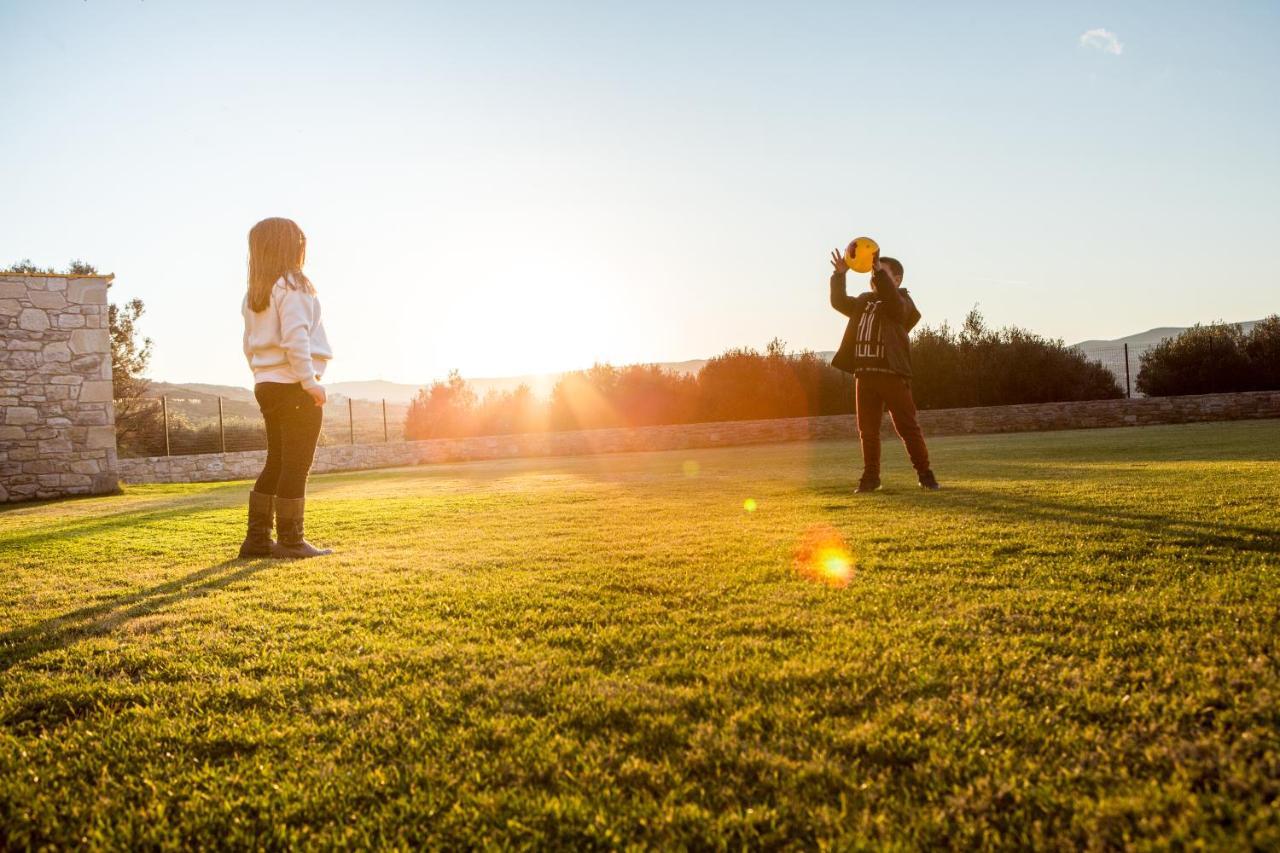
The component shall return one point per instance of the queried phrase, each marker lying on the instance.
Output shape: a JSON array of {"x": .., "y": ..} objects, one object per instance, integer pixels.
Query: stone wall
[
  {"x": 1046, "y": 416},
  {"x": 57, "y": 421}
]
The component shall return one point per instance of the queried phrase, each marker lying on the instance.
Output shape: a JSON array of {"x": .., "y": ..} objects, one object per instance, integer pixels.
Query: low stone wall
[
  {"x": 57, "y": 421},
  {"x": 1090, "y": 414},
  {"x": 1044, "y": 416}
]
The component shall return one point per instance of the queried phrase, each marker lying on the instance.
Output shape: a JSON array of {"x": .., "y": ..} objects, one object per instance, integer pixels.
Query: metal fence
[
  {"x": 1122, "y": 361},
  {"x": 172, "y": 425}
]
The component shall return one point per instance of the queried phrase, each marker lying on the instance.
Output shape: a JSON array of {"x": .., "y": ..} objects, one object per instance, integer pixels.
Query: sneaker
[
  {"x": 867, "y": 485},
  {"x": 928, "y": 481}
]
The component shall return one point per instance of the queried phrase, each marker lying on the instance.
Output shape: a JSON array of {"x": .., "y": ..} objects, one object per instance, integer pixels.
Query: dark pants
[
  {"x": 876, "y": 392},
  {"x": 293, "y": 428}
]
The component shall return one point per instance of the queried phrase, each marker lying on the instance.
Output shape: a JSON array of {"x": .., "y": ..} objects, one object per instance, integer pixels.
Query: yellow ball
[{"x": 860, "y": 253}]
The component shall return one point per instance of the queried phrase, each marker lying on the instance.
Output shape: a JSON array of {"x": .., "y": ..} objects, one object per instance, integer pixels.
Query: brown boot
[
  {"x": 257, "y": 541},
  {"x": 289, "y": 526}
]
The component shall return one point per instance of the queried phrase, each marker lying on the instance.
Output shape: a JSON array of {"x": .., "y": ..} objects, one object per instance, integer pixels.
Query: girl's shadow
[{"x": 58, "y": 632}]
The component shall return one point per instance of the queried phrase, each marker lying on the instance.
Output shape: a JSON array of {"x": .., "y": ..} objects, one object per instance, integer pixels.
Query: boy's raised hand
[{"x": 837, "y": 262}]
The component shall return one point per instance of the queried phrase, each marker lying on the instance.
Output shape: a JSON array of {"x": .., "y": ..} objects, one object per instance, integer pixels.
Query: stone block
[
  {"x": 90, "y": 340},
  {"x": 86, "y": 466},
  {"x": 95, "y": 391},
  {"x": 57, "y": 352},
  {"x": 10, "y": 307},
  {"x": 48, "y": 300},
  {"x": 12, "y": 433},
  {"x": 54, "y": 445},
  {"x": 13, "y": 290},
  {"x": 70, "y": 321},
  {"x": 87, "y": 364},
  {"x": 20, "y": 415},
  {"x": 87, "y": 291},
  {"x": 33, "y": 320},
  {"x": 100, "y": 437}
]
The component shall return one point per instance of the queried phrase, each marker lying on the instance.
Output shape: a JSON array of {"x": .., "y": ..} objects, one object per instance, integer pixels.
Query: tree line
[
  {"x": 972, "y": 366},
  {"x": 1214, "y": 358}
]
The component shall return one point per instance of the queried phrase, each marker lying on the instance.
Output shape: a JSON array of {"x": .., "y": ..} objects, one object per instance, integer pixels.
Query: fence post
[
  {"x": 164, "y": 411},
  {"x": 385, "y": 438},
  {"x": 222, "y": 431},
  {"x": 351, "y": 421},
  {"x": 1127, "y": 393}
]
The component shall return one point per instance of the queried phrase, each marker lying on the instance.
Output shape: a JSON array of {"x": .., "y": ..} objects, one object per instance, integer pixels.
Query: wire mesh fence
[
  {"x": 1122, "y": 360},
  {"x": 172, "y": 425}
]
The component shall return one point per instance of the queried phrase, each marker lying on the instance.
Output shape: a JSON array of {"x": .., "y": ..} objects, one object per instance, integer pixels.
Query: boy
[{"x": 877, "y": 350}]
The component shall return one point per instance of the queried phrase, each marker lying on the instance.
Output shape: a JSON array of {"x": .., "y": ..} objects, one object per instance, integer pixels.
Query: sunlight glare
[{"x": 823, "y": 556}]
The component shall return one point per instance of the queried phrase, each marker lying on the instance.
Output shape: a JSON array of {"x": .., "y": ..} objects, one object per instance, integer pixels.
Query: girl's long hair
[{"x": 277, "y": 247}]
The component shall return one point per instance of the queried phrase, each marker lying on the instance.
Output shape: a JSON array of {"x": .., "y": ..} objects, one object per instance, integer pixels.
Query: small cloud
[{"x": 1102, "y": 39}]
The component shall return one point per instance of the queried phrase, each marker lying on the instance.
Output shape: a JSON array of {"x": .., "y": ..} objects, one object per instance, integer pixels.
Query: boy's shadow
[
  {"x": 59, "y": 632},
  {"x": 1017, "y": 510}
]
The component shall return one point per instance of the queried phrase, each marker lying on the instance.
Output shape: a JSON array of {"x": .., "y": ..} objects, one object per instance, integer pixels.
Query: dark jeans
[
  {"x": 293, "y": 427},
  {"x": 876, "y": 392}
]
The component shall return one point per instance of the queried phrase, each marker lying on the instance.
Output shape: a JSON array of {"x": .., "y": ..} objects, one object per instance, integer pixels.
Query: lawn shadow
[
  {"x": 79, "y": 528},
  {"x": 1240, "y": 537},
  {"x": 1032, "y": 507},
  {"x": 58, "y": 632}
]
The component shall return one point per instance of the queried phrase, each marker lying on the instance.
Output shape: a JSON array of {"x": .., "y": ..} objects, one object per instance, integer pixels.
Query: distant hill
[
  {"x": 1140, "y": 342},
  {"x": 398, "y": 393},
  {"x": 539, "y": 383},
  {"x": 200, "y": 390}
]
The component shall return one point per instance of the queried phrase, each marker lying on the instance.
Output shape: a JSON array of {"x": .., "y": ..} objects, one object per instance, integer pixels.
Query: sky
[{"x": 507, "y": 188}]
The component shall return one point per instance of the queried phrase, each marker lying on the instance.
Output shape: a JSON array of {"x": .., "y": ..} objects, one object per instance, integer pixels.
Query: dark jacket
[{"x": 877, "y": 337}]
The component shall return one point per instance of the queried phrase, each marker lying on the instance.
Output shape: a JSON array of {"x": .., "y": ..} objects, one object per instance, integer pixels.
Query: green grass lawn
[{"x": 1076, "y": 643}]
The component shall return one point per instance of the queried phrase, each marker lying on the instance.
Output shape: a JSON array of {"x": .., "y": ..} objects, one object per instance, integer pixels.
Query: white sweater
[{"x": 285, "y": 342}]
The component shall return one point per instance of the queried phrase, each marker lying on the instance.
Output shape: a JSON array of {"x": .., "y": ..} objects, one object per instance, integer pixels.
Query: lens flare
[
  {"x": 691, "y": 467},
  {"x": 823, "y": 556},
  {"x": 749, "y": 504}
]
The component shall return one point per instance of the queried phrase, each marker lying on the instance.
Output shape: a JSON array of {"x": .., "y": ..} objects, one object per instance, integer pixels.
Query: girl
[{"x": 287, "y": 350}]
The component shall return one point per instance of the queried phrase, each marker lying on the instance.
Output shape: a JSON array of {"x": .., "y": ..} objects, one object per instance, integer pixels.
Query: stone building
[{"x": 57, "y": 419}]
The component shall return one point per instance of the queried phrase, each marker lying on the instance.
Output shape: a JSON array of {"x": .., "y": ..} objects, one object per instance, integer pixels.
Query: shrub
[
  {"x": 1202, "y": 360},
  {"x": 444, "y": 410},
  {"x": 980, "y": 366},
  {"x": 743, "y": 384},
  {"x": 636, "y": 395},
  {"x": 1262, "y": 349}
]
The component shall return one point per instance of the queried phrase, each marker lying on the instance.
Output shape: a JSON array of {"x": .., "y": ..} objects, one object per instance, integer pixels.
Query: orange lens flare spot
[
  {"x": 823, "y": 556},
  {"x": 691, "y": 468},
  {"x": 749, "y": 504}
]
